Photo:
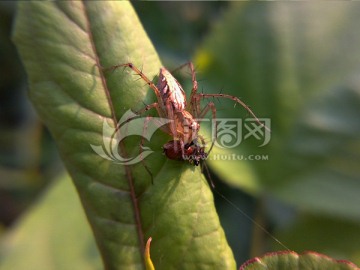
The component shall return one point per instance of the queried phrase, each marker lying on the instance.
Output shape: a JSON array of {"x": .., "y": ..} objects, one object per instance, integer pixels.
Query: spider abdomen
[{"x": 171, "y": 90}]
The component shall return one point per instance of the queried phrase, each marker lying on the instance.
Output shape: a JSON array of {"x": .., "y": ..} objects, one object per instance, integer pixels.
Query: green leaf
[
  {"x": 323, "y": 154},
  {"x": 54, "y": 234},
  {"x": 322, "y": 233},
  {"x": 63, "y": 45},
  {"x": 293, "y": 261}
]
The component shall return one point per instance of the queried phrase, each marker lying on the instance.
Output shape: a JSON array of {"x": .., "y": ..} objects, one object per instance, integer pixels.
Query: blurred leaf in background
[
  {"x": 54, "y": 234},
  {"x": 28, "y": 158}
]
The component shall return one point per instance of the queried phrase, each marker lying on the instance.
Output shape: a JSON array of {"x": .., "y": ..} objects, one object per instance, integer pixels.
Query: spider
[{"x": 187, "y": 143}]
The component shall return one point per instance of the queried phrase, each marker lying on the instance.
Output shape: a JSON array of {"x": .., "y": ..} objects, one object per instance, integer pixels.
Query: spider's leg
[
  {"x": 195, "y": 106},
  {"x": 194, "y": 82},
  {"x": 139, "y": 112},
  {"x": 158, "y": 124},
  {"x": 182, "y": 146},
  {"x": 141, "y": 74},
  {"x": 127, "y": 125},
  {"x": 204, "y": 111},
  {"x": 237, "y": 100}
]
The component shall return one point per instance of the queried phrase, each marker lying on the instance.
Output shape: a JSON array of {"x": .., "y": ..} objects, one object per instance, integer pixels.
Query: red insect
[{"x": 191, "y": 152}]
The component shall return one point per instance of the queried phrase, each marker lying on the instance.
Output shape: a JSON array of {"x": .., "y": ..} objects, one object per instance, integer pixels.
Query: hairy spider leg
[
  {"x": 149, "y": 83},
  {"x": 237, "y": 100},
  {"x": 142, "y": 75},
  {"x": 202, "y": 113},
  {"x": 146, "y": 108},
  {"x": 139, "y": 112},
  {"x": 156, "y": 90}
]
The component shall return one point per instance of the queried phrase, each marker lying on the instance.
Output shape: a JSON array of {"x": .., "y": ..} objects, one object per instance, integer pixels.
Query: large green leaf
[
  {"x": 63, "y": 44},
  {"x": 297, "y": 64},
  {"x": 44, "y": 237}
]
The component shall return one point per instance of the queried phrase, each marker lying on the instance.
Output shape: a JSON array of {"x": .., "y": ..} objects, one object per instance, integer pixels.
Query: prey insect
[{"x": 172, "y": 104}]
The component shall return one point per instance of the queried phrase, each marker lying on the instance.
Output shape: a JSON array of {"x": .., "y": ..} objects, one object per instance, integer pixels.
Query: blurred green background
[{"x": 295, "y": 63}]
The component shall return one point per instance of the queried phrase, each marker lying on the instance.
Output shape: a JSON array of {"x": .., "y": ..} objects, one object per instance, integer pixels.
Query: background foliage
[{"x": 296, "y": 63}]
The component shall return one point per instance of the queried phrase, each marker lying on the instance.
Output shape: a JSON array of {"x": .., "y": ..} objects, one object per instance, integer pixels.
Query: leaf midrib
[{"x": 121, "y": 145}]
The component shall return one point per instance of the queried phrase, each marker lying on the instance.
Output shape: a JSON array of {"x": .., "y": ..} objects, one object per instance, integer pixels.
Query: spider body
[
  {"x": 172, "y": 105},
  {"x": 183, "y": 127}
]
